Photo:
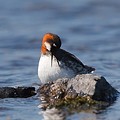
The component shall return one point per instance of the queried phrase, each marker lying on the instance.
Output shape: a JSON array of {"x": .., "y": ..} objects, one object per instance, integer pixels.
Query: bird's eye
[{"x": 54, "y": 45}]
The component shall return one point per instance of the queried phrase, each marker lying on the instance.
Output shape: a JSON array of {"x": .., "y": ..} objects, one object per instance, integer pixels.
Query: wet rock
[
  {"x": 83, "y": 89},
  {"x": 21, "y": 92}
]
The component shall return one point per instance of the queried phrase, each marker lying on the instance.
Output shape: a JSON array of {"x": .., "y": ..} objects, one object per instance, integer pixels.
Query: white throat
[{"x": 48, "y": 46}]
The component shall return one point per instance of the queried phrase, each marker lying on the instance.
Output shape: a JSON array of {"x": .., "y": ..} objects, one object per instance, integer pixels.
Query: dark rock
[
  {"x": 85, "y": 88},
  {"x": 104, "y": 91},
  {"x": 24, "y": 92},
  {"x": 7, "y": 92},
  {"x": 21, "y": 92}
]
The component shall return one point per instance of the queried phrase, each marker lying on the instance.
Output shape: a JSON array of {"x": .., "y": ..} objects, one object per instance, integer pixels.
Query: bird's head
[{"x": 50, "y": 42}]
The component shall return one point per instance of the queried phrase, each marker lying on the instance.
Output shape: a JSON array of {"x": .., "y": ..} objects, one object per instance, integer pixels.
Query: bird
[{"x": 55, "y": 63}]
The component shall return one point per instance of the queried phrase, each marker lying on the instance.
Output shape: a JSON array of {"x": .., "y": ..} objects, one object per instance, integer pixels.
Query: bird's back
[{"x": 72, "y": 62}]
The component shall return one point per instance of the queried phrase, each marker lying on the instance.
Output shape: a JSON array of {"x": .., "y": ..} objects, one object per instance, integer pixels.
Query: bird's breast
[{"x": 50, "y": 72}]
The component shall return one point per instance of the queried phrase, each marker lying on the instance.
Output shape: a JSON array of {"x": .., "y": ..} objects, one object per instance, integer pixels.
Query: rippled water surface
[{"x": 90, "y": 29}]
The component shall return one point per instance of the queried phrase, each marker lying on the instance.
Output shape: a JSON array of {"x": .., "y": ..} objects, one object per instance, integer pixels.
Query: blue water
[{"x": 90, "y": 29}]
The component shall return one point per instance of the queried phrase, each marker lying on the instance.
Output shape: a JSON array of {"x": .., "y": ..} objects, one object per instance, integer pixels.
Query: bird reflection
[{"x": 52, "y": 114}]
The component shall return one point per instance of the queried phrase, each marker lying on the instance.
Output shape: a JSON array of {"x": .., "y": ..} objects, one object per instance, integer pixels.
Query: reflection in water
[
  {"x": 67, "y": 113},
  {"x": 52, "y": 114},
  {"x": 56, "y": 114},
  {"x": 82, "y": 116}
]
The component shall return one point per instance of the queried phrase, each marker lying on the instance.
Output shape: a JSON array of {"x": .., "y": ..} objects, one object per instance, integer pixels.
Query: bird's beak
[
  {"x": 51, "y": 58},
  {"x": 54, "y": 45},
  {"x": 49, "y": 47}
]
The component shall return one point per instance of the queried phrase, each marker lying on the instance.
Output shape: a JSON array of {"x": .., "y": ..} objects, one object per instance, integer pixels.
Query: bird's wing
[{"x": 71, "y": 61}]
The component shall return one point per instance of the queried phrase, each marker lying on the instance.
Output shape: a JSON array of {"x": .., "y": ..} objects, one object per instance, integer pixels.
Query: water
[{"x": 88, "y": 28}]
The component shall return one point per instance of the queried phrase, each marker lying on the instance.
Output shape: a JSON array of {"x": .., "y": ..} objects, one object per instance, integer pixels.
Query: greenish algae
[{"x": 78, "y": 104}]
